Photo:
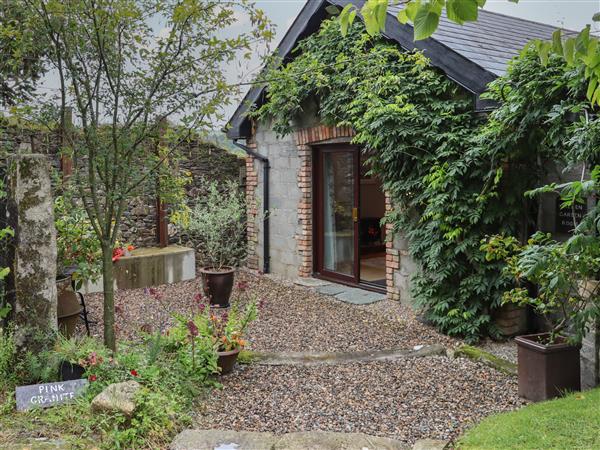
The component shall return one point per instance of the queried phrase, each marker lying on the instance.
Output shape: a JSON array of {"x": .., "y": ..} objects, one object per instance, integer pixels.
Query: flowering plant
[
  {"x": 121, "y": 250},
  {"x": 223, "y": 329}
]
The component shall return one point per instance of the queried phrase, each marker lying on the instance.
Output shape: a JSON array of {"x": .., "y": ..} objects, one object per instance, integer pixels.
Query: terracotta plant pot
[
  {"x": 70, "y": 371},
  {"x": 227, "y": 360},
  {"x": 68, "y": 307},
  {"x": 547, "y": 370},
  {"x": 217, "y": 285}
]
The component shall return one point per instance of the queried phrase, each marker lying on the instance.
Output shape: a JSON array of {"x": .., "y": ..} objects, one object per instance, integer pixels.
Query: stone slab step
[{"x": 314, "y": 440}]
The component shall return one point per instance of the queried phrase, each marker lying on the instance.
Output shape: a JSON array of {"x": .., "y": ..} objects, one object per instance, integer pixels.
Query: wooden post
[
  {"x": 162, "y": 230},
  {"x": 161, "y": 223}
]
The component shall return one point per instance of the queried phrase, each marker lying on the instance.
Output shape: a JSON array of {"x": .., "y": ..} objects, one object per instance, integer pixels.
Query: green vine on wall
[{"x": 451, "y": 181}]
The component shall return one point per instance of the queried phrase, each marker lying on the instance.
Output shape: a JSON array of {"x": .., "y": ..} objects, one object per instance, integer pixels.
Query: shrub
[{"x": 217, "y": 225}]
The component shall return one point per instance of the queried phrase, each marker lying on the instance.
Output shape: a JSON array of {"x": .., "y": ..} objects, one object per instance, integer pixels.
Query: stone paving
[{"x": 342, "y": 292}]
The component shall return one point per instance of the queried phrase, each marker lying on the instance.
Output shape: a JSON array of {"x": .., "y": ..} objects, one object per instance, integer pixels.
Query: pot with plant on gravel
[
  {"x": 217, "y": 230},
  {"x": 567, "y": 298},
  {"x": 225, "y": 330}
]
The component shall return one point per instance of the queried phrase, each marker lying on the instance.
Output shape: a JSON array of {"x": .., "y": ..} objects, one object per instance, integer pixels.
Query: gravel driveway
[
  {"x": 432, "y": 397},
  {"x": 408, "y": 399},
  {"x": 293, "y": 318}
]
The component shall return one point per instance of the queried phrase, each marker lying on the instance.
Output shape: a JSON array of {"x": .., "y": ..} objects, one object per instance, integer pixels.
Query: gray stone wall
[
  {"x": 201, "y": 160},
  {"x": 284, "y": 196}
]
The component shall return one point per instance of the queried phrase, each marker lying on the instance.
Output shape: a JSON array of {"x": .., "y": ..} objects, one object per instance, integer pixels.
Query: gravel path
[
  {"x": 293, "y": 318},
  {"x": 407, "y": 399},
  {"x": 506, "y": 350},
  {"x": 433, "y": 397}
]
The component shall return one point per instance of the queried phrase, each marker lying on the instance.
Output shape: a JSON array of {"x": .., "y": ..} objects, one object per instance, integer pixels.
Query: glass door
[{"x": 337, "y": 212}]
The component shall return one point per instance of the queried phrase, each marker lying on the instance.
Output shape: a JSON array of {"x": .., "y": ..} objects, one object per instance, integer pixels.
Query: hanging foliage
[{"x": 418, "y": 128}]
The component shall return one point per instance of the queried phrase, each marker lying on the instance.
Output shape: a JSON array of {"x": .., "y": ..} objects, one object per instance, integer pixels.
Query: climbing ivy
[{"x": 418, "y": 129}]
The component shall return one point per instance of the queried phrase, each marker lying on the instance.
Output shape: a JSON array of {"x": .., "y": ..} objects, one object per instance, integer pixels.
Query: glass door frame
[{"x": 318, "y": 212}]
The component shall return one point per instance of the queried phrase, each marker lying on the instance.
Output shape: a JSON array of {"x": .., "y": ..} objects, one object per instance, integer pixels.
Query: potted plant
[
  {"x": 224, "y": 330},
  {"x": 217, "y": 229},
  {"x": 76, "y": 356},
  {"x": 78, "y": 257},
  {"x": 548, "y": 362}
]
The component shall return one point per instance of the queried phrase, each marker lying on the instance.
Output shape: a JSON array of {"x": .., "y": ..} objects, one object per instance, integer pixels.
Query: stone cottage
[
  {"x": 309, "y": 172},
  {"x": 325, "y": 219}
]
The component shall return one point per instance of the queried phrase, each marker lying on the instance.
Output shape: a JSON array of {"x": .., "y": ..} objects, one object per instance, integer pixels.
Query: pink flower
[{"x": 192, "y": 328}]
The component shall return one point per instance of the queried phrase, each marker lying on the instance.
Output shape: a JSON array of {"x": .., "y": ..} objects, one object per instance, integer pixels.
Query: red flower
[
  {"x": 92, "y": 378},
  {"x": 133, "y": 372},
  {"x": 130, "y": 248},
  {"x": 117, "y": 254}
]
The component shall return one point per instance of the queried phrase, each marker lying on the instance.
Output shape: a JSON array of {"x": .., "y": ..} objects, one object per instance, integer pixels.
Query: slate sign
[
  {"x": 564, "y": 216},
  {"x": 48, "y": 394}
]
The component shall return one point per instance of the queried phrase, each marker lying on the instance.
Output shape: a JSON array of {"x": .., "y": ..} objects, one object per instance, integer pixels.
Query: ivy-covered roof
[{"x": 472, "y": 55}]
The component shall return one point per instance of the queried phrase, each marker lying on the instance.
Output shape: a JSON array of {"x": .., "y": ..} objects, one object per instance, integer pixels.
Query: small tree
[{"x": 126, "y": 67}]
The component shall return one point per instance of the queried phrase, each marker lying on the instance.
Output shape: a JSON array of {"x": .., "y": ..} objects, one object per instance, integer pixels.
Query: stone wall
[
  {"x": 139, "y": 221},
  {"x": 201, "y": 160}
]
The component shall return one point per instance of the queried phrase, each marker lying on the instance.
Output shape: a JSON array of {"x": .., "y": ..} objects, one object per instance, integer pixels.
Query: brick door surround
[{"x": 305, "y": 139}]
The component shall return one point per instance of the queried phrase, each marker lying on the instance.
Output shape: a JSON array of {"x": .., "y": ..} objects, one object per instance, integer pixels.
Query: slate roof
[
  {"x": 472, "y": 55},
  {"x": 491, "y": 41}
]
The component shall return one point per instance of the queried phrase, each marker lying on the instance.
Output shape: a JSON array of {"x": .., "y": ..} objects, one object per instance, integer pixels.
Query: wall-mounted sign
[
  {"x": 564, "y": 216},
  {"x": 48, "y": 394}
]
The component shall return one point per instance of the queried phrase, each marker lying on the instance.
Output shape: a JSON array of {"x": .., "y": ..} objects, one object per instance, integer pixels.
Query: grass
[{"x": 572, "y": 422}]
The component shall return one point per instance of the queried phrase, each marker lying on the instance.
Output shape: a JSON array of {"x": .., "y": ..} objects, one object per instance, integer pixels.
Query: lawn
[{"x": 572, "y": 422}]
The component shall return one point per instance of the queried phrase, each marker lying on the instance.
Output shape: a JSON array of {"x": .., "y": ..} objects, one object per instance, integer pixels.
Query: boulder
[{"x": 117, "y": 398}]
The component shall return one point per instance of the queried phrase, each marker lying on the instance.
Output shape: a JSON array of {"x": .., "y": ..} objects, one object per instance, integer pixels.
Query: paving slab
[
  {"x": 332, "y": 358},
  {"x": 332, "y": 289},
  {"x": 430, "y": 444},
  {"x": 359, "y": 296},
  {"x": 247, "y": 440},
  {"x": 311, "y": 282}
]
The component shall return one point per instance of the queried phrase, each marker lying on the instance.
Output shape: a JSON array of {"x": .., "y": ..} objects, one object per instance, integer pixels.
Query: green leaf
[
  {"x": 461, "y": 11},
  {"x": 557, "y": 42},
  {"x": 569, "y": 50},
  {"x": 333, "y": 10},
  {"x": 4, "y": 272},
  {"x": 346, "y": 18},
  {"x": 402, "y": 16},
  {"x": 426, "y": 22},
  {"x": 591, "y": 88},
  {"x": 582, "y": 41},
  {"x": 380, "y": 14}
]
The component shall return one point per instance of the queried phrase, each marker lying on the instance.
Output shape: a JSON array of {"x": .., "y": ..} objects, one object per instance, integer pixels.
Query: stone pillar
[
  {"x": 34, "y": 267},
  {"x": 590, "y": 357}
]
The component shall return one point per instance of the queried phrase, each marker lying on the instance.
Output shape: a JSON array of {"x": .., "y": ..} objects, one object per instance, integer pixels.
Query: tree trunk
[{"x": 109, "y": 297}]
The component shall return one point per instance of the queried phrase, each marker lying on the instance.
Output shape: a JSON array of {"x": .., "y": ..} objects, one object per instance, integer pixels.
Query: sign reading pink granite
[{"x": 48, "y": 394}]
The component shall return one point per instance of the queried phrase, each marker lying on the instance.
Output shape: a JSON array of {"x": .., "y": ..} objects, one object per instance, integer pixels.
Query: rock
[
  {"x": 117, "y": 398},
  {"x": 314, "y": 440},
  {"x": 430, "y": 444}
]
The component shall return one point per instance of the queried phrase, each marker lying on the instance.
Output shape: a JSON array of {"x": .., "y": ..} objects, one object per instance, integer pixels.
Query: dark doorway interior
[{"x": 371, "y": 236}]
